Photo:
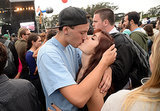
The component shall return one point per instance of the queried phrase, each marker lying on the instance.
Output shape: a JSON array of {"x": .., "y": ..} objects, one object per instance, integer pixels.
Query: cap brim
[{"x": 56, "y": 27}]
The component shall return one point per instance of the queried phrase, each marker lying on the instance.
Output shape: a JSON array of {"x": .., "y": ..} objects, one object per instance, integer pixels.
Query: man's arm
[{"x": 122, "y": 65}]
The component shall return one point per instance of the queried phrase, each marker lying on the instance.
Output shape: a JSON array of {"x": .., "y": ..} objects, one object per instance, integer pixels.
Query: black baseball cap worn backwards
[{"x": 72, "y": 16}]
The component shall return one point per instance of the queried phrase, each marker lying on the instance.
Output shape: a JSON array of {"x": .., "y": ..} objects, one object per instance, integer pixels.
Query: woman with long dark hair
[
  {"x": 92, "y": 51},
  {"x": 33, "y": 43}
]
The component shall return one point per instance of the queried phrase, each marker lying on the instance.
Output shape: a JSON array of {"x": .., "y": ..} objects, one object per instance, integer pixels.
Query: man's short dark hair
[
  {"x": 133, "y": 16},
  {"x": 3, "y": 57},
  {"x": 106, "y": 13}
]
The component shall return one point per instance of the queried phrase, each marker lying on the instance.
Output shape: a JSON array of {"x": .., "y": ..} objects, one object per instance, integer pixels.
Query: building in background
[{"x": 15, "y": 14}]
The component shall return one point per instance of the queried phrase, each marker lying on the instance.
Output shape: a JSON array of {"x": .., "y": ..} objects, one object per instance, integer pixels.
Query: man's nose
[
  {"x": 85, "y": 36},
  {"x": 93, "y": 24}
]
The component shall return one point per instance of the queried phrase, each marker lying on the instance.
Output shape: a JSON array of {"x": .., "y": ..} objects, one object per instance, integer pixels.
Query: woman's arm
[
  {"x": 36, "y": 70},
  {"x": 96, "y": 101},
  {"x": 19, "y": 69},
  {"x": 79, "y": 94},
  {"x": 36, "y": 51}
]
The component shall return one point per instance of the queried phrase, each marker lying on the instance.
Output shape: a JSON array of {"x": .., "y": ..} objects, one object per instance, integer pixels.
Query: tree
[
  {"x": 91, "y": 9},
  {"x": 52, "y": 21},
  {"x": 154, "y": 11}
]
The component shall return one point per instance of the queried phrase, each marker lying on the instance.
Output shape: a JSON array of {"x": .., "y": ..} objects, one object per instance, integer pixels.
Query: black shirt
[{"x": 17, "y": 95}]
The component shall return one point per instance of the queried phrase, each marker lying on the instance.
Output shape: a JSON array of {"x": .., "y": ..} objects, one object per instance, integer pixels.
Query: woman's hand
[
  {"x": 106, "y": 81},
  {"x": 109, "y": 56}
]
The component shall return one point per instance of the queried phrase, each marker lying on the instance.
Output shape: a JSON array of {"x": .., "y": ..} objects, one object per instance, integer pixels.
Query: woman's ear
[{"x": 32, "y": 42}]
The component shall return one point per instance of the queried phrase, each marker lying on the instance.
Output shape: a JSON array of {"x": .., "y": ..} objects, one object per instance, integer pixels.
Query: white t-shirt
[{"x": 115, "y": 102}]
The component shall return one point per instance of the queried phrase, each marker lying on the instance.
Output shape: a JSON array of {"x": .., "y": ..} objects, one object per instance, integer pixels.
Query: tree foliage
[
  {"x": 52, "y": 21},
  {"x": 91, "y": 9},
  {"x": 154, "y": 11}
]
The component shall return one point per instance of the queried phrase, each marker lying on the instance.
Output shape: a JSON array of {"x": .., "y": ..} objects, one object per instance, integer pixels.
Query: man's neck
[
  {"x": 109, "y": 28},
  {"x": 133, "y": 27},
  {"x": 61, "y": 38}
]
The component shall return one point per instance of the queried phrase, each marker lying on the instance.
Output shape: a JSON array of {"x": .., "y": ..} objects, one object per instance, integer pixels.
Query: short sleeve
[{"x": 53, "y": 72}]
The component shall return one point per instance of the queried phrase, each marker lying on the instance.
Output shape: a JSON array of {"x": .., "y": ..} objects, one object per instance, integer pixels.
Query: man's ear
[
  {"x": 105, "y": 22},
  {"x": 132, "y": 22},
  {"x": 65, "y": 30}
]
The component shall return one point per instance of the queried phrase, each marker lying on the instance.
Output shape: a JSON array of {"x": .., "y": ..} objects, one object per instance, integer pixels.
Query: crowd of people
[{"x": 82, "y": 65}]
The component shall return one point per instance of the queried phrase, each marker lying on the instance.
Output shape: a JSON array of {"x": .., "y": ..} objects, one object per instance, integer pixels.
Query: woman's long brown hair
[{"x": 105, "y": 41}]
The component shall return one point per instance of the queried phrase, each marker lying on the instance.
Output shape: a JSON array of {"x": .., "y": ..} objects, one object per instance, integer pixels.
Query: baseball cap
[
  {"x": 72, "y": 16},
  {"x": 6, "y": 36}
]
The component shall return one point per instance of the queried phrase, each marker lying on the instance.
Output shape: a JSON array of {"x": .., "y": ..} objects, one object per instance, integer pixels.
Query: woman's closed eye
[{"x": 92, "y": 38}]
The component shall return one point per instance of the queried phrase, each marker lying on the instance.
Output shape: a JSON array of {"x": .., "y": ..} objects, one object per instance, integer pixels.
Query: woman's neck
[
  {"x": 32, "y": 49},
  {"x": 85, "y": 60}
]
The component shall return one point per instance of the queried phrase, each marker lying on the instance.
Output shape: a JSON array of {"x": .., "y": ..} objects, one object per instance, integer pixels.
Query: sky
[{"x": 124, "y": 5}]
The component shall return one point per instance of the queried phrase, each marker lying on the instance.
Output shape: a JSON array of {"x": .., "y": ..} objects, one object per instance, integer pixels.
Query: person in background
[
  {"x": 51, "y": 33},
  {"x": 19, "y": 69},
  {"x": 155, "y": 31},
  {"x": 148, "y": 20},
  {"x": 59, "y": 59},
  {"x": 143, "y": 98},
  {"x": 13, "y": 38},
  {"x": 33, "y": 43},
  {"x": 158, "y": 24},
  {"x": 18, "y": 33},
  {"x": 11, "y": 68},
  {"x": 21, "y": 48},
  {"x": 6, "y": 36},
  {"x": 122, "y": 27},
  {"x": 16, "y": 94},
  {"x": 43, "y": 37},
  {"x": 104, "y": 19},
  {"x": 149, "y": 30},
  {"x": 140, "y": 25},
  {"x": 138, "y": 34}
]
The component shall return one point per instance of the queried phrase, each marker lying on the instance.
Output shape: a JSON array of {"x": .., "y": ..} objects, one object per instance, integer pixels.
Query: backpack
[
  {"x": 10, "y": 68},
  {"x": 141, "y": 66}
]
